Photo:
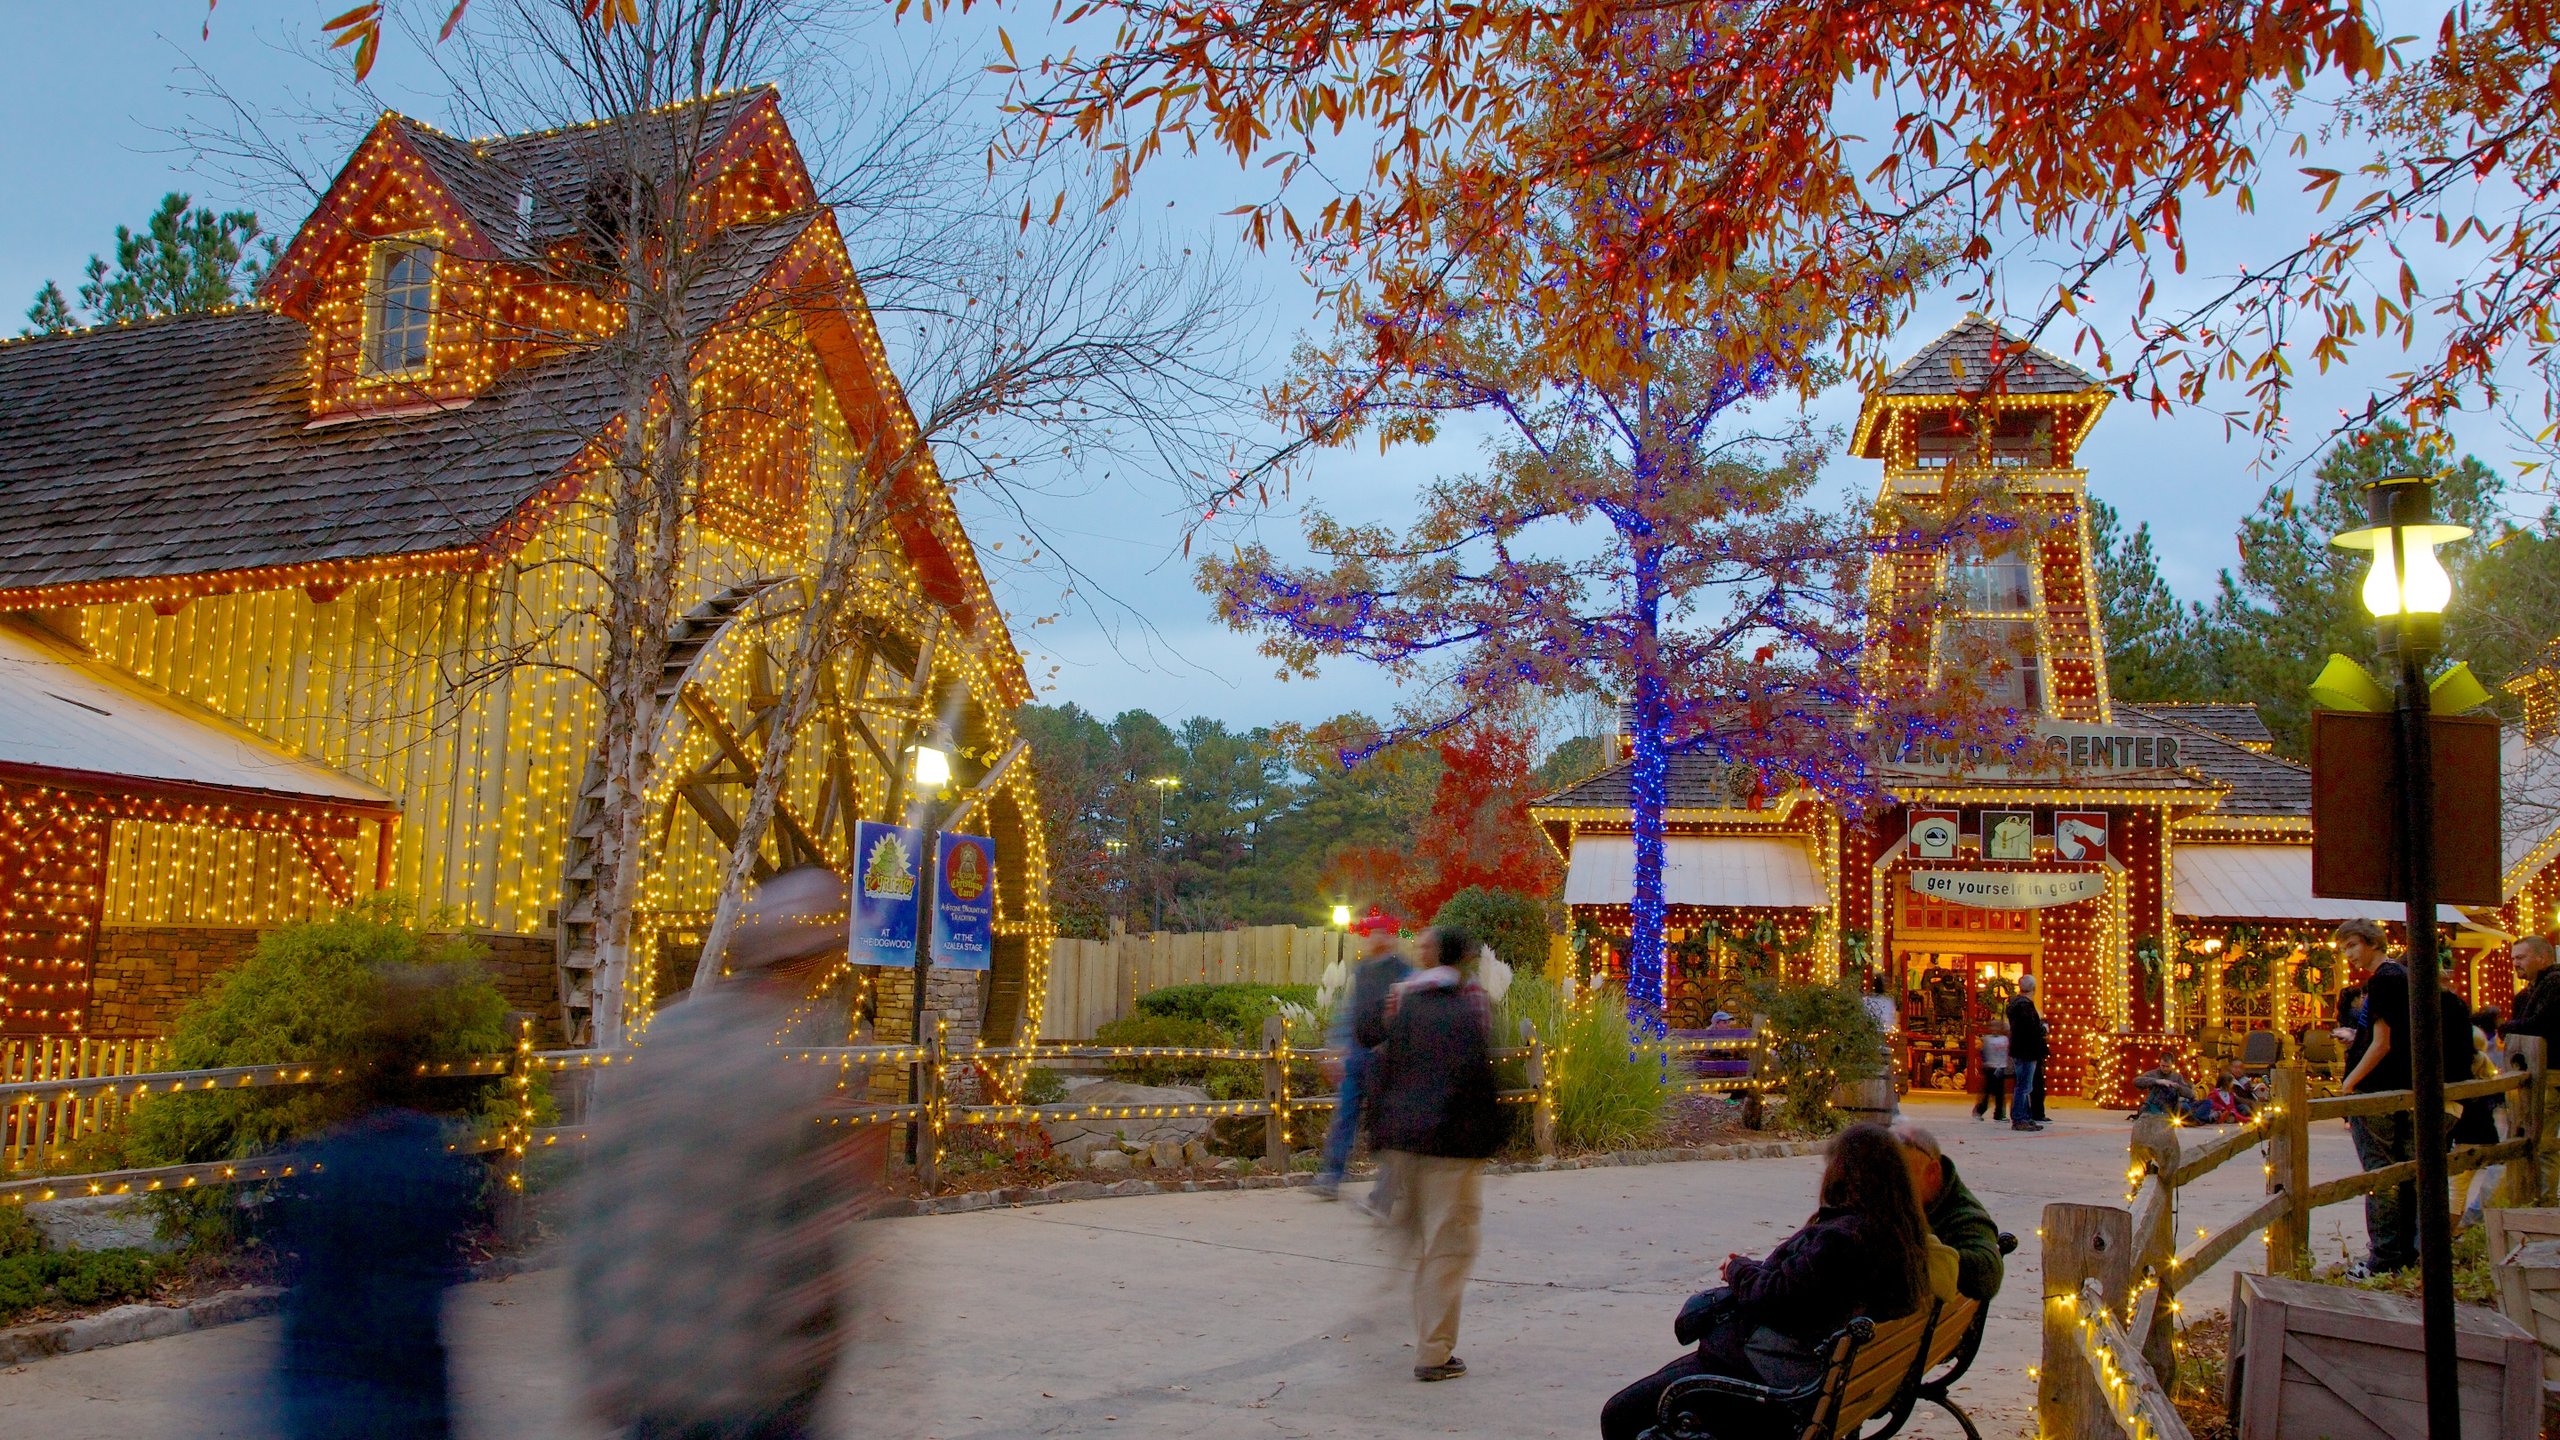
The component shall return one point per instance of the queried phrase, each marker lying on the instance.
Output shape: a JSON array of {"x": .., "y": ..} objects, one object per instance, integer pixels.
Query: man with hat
[
  {"x": 704, "y": 1269},
  {"x": 1381, "y": 966}
]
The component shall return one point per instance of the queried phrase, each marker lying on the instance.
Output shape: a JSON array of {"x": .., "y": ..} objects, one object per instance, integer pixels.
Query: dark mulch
[{"x": 1708, "y": 1120}]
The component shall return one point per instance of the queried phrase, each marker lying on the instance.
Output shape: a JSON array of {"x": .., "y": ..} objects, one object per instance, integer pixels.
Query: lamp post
[
  {"x": 1341, "y": 917},
  {"x": 1163, "y": 784},
  {"x": 2407, "y": 590},
  {"x": 929, "y": 766}
]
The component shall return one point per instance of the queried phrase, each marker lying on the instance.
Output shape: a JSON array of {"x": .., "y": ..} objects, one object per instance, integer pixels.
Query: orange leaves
[{"x": 362, "y": 28}]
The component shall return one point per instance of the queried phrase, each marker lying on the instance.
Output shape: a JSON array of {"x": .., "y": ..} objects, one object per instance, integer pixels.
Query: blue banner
[
  {"x": 964, "y": 901},
  {"x": 884, "y": 894}
]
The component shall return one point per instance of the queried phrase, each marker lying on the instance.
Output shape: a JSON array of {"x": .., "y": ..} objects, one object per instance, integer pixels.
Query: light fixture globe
[
  {"x": 2407, "y": 588},
  {"x": 929, "y": 765}
]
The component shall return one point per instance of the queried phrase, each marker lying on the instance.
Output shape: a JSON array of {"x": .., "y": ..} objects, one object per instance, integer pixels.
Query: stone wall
[
  {"x": 956, "y": 997},
  {"x": 145, "y": 973}
]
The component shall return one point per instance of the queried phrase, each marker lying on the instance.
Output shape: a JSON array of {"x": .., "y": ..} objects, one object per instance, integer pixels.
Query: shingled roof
[
  {"x": 1961, "y": 361},
  {"x": 1690, "y": 782},
  {"x": 2261, "y": 784},
  {"x": 185, "y": 446},
  {"x": 2233, "y": 720}
]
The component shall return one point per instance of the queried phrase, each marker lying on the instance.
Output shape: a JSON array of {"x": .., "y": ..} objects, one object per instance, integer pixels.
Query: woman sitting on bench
[{"x": 1864, "y": 1252}]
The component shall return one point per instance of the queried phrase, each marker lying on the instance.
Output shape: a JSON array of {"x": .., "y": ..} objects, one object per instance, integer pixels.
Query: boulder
[
  {"x": 1142, "y": 1130},
  {"x": 1196, "y": 1152},
  {"x": 1109, "y": 1160},
  {"x": 99, "y": 1222},
  {"x": 1167, "y": 1154}
]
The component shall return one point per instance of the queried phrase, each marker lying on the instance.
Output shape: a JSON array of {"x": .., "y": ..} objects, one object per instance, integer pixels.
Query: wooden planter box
[
  {"x": 2323, "y": 1362},
  {"x": 2529, "y": 1294}
]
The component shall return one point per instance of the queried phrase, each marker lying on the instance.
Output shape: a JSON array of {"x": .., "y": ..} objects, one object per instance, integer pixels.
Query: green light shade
[
  {"x": 2344, "y": 685},
  {"x": 2457, "y": 690}
]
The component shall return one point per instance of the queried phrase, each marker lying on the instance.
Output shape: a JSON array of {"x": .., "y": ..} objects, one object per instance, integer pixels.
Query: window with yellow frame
[{"x": 399, "y": 308}]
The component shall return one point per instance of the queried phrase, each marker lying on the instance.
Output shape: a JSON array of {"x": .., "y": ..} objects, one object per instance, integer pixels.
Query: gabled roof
[
  {"x": 1974, "y": 354},
  {"x": 2262, "y": 785},
  {"x": 184, "y": 447}
]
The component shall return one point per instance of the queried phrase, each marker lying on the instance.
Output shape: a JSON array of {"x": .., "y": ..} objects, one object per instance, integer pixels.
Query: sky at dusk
[{"x": 97, "y": 91}]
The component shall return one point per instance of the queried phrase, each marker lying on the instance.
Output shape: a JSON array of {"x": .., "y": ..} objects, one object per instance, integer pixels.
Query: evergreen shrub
[
  {"x": 1237, "y": 1007},
  {"x": 1515, "y": 925},
  {"x": 1820, "y": 1036}
]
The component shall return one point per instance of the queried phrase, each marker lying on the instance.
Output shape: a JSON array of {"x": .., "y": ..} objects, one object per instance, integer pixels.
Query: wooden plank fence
[
  {"x": 31, "y": 1126},
  {"x": 1093, "y": 982},
  {"x": 2112, "y": 1274}
]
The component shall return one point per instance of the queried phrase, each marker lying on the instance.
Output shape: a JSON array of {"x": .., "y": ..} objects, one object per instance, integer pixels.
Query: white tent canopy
[
  {"x": 2266, "y": 882},
  {"x": 1771, "y": 872}
]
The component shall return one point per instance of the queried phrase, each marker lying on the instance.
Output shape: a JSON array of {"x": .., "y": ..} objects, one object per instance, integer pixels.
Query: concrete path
[{"x": 1248, "y": 1314}]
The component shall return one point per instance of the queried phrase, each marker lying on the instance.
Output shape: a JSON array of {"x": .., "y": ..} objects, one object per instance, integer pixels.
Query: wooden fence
[
  {"x": 930, "y": 1066},
  {"x": 1093, "y": 982},
  {"x": 2112, "y": 1274},
  {"x": 31, "y": 1127}
]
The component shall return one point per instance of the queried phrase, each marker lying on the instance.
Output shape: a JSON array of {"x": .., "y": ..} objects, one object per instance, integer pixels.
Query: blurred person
[
  {"x": 2480, "y": 1123},
  {"x": 1362, "y": 1013},
  {"x": 704, "y": 1272},
  {"x": 372, "y": 1228},
  {"x": 1438, "y": 1119},
  {"x": 1864, "y": 1252},
  {"x": 1995, "y": 1072},
  {"x": 1955, "y": 1216},
  {"x": 2027, "y": 1049}
]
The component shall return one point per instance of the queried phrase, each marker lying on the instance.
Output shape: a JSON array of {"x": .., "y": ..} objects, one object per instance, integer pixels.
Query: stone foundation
[
  {"x": 955, "y": 997},
  {"x": 145, "y": 974}
]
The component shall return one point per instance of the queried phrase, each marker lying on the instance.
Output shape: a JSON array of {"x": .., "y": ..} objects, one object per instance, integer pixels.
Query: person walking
[
  {"x": 372, "y": 1226},
  {"x": 1438, "y": 1119},
  {"x": 2027, "y": 1048},
  {"x": 1362, "y": 1009},
  {"x": 703, "y": 1272},
  {"x": 1995, "y": 1072}
]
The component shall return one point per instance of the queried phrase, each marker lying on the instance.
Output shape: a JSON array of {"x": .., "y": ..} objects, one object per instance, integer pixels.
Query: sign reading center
[{"x": 2012, "y": 890}]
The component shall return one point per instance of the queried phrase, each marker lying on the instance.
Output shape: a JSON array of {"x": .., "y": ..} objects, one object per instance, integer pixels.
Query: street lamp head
[
  {"x": 1115, "y": 846},
  {"x": 1174, "y": 782},
  {"x": 1341, "y": 917},
  {"x": 2407, "y": 587},
  {"x": 929, "y": 765}
]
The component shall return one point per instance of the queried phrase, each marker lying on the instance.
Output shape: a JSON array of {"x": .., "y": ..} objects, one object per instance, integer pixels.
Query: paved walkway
[{"x": 1248, "y": 1314}]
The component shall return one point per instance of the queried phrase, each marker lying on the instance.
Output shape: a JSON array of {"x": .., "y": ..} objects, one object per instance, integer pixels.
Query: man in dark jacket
[
  {"x": 1955, "y": 1216},
  {"x": 2026, "y": 1058},
  {"x": 2538, "y": 1008},
  {"x": 1437, "y": 1116}
]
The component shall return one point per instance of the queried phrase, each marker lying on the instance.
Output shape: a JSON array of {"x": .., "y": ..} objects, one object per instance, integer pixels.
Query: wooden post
[
  {"x": 929, "y": 1124},
  {"x": 2529, "y": 1112},
  {"x": 1542, "y": 1114},
  {"x": 2155, "y": 1241},
  {"x": 1275, "y": 1091},
  {"x": 2289, "y": 1172},
  {"x": 2081, "y": 1243}
]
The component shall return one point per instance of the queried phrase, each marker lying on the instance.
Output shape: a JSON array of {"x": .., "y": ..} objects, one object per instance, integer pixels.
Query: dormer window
[{"x": 399, "y": 301}]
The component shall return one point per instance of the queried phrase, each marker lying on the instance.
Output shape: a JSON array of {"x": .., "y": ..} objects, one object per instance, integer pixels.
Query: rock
[
  {"x": 122, "y": 1325},
  {"x": 100, "y": 1222},
  {"x": 1132, "y": 1187},
  {"x": 1230, "y": 1165},
  {"x": 1108, "y": 1160},
  {"x": 1140, "y": 1130},
  {"x": 1168, "y": 1154},
  {"x": 1080, "y": 1190},
  {"x": 1196, "y": 1152},
  {"x": 246, "y": 1303}
]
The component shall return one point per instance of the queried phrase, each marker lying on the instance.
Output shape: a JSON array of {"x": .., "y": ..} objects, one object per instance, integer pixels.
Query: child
[{"x": 1995, "y": 1072}]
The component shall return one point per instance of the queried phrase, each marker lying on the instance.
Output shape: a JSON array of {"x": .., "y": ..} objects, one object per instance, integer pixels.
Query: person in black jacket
[
  {"x": 1864, "y": 1252},
  {"x": 2027, "y": 1048},
  {"x": 1436, "y": 1116},
  {"x": 2537, "y": 1009}
]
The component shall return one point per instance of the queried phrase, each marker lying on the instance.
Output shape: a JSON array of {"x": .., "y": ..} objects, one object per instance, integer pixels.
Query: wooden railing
[
  {"x": 929, "y": 1068},
  {"x": 2112, "y": 1274},
  {"x": 31, "y": 1127}
]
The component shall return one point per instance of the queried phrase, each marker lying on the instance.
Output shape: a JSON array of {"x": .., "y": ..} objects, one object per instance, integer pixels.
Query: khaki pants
[{"x": 1439, "y": 1212}]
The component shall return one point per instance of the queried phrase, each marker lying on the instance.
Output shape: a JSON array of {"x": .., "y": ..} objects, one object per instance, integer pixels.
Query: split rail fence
[
  {"x": 2112, "y": 1275},
  {"x": 929, "y": 1070}
]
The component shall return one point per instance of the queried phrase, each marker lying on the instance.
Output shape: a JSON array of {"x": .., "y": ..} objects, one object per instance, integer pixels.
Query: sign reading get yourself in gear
[{"x": 2009, "y": 890}]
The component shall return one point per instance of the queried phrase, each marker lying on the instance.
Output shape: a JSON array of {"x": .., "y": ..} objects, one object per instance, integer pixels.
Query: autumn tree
[
  {"x": 1478, "y": 832},
  {"x": 183, "y": 261}
]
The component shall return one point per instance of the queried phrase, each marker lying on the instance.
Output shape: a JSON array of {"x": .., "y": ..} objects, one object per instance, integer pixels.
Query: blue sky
[{"x": 96, "y": 91}]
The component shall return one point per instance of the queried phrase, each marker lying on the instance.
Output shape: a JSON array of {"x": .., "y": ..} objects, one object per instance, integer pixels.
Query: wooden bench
[{"x": 1872, "y": 1371}]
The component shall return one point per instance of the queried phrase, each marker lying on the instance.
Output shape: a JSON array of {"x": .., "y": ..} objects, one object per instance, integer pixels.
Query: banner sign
[
  {"x": 2013, "y": 890},
  {"x": 884, "y": 894},
  {"x": 964, "y": 901}
]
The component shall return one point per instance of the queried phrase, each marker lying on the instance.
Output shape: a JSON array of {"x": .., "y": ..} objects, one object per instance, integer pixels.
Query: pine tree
[
  {"x": 2153, "y": 650},
  {"x": 184, "y": 262}
]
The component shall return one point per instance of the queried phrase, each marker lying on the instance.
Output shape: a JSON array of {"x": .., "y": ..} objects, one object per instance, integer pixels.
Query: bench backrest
[
  {"x": 1946, "y": 1337},
  {"x": 1877, "y": 1371}
]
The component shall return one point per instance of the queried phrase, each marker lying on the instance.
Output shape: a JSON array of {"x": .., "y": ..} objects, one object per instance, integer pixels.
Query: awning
[
  {"x": 66, "y": 717},
  {"x": 2266, "y": 882},
  {"x": 1749, "y": 871}
]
